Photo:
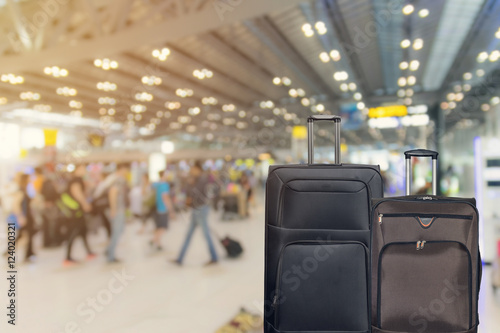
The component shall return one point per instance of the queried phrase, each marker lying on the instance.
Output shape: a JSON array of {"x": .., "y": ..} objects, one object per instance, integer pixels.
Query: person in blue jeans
[
  {"x": 118, "y": 195},
  {"x": 164, "y": 209},
  {"x": 197, "y": 198}
]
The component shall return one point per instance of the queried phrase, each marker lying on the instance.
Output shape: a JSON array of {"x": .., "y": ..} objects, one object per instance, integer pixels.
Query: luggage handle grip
[
  {"x": 421, "y": 153},
  {"x": 310, "y": 135}
]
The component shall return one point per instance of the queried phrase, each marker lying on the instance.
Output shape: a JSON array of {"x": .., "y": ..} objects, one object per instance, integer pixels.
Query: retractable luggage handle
[
  {"x": 421, "y": 153},
  {"x": 310, "y": 135}
]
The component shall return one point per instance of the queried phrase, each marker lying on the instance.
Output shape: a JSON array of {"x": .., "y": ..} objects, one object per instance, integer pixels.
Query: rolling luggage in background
[
  {"x": 317, "y": 244},
  {"x": 426, "y": 266}
]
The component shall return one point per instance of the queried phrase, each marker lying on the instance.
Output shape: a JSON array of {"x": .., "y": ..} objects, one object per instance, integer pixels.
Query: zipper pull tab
[
  {"x": 418, "y": 245},
  {"x": 380, "y": 218},
  {"x": 422, "y": 245}
]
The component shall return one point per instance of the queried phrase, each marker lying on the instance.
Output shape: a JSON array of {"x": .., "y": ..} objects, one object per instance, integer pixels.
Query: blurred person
[
  {"x": 246, "y": 187},
  {"x": 9, "y": 197},
  {"x": 143, "y": 201},
  {"x": 50, "y": 220},
  {"x": 198, "y": 200},
  {"x": 100, "y": 199},
  {"x": 24, "y": 217},
  {"x": 164, "y": 209},
  {"x": 77, "y": 202},
  {"x": 35, "y": 191},
  {"x": 118, "y": 202}
]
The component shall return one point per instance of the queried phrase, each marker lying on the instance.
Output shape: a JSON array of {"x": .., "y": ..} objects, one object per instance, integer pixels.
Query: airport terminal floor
[{"x": 148, "y": 293}]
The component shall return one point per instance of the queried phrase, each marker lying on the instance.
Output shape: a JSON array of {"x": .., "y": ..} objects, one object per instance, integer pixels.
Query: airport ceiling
[{"x": 227, "y": 70}]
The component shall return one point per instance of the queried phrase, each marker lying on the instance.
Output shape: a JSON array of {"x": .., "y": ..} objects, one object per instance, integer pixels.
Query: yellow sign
[
  {"x": 388, "y": 111},
  {"x": 299, "y": 132},
  {"x": 50, "y": 137}
]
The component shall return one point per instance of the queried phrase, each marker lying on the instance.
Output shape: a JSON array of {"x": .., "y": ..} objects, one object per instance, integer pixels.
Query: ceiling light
[
  {"x": 138, "y": 108},
  {"x": 459, "y": 97},
  {"x": 357, "y": 96},
  {"x": 452, "y": 105},
  {"x": 75, "y": 104},
  {"x": 402, "y": 81},
  {"x": 276, "y": 81},
  {"x": 405, "y": 43},
  {"x": 111, "y": 112},
  {"x": 352, "y": 86},
  {"x": 305, "y": 102},
  {"x": 255, "y": 119},
  {"x": 301, "y": 92},
  {"x": 242, "y": 114},
  {"x": 467, "y": 87},
  {"x": 408, "y": 101},
  {"x": 293, "y": 93},
  {"x": 307, "y": 29},
  {"x": 324, "y": 57},
  {"x": 423, "y": 12},
  {"x": 151, "y": 80},
  {"x": 106, "y": 100},
  {"x": 457, "y": 88},
  {"x": 56, "y": 71},
  {"x": 40, "y": 107},
  {"x": 480, "y": 72},
  {"x": 401, "y": 93},
  {"x": 409, "y": 92},
  {"x": 29, "y": 96},
  {"x": 418, "y": 44},
  {"x": 172, "y": 105},
  {"x": 494, "y": 55},
  {"x": 494, "y": 100},
  {"x": 444, "y": 105},
  {"x": 194, "y": 111},
  {"x": 467, "y": 76},
  {"x": 184, "y": 119},
  {"x": 66, "y": 91},
  {"x": 485, "y": 107},
  {"x": 184, "y": 92},
  {"x": 403, "y": 65},
  {"x": 344, "y": 87},
  {"x": 209, "y": 101},
  {"x": 335, "y": 55},
  {"x": 3, "y": 100},
  {"x": 408, "y": 9},
  {"x": 144, "y": 97},
  {"x": 360, "y": 105},
  {"x": 203, "y": 73},
  {"x": 277, "y": 111},
  {"x": 12, "y": 79},
  {"x": 450, "y": 96},
  {"x": 162, "y": 54},
  {"x": 340, "y": 76},
  {"x": 414, "y": 64},
  {"x": 228, "y": 107},
  {"x": 411, "y": 80},
  {"x": 286, "y": 81},
  {"x": 106, "y": 64},
  {"x": 106, "y": 86},
  {"x": 482, "y": 56},
  {"x": 320, "y": 108},
  {"x": 320, "y": 28}
]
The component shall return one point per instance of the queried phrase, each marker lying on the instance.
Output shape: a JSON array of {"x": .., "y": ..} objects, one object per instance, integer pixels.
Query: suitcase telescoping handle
[
  {"x": 310, "y": 135},
  {"x": 421, "y": 153}
]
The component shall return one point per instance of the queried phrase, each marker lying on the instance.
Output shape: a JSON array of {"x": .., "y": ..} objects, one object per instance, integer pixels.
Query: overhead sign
[
  {"x": 299, "y": 132},
  {"x": 388, "y": 111}
]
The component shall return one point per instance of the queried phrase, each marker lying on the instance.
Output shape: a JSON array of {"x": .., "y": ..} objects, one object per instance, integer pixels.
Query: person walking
[
  {"x": 24, "y": 216},
  {"x": 75, "y": 200},
  {"x": 198, "y": 200},
  {"x": 118, "y": 202},
  {"x": 164, "y": 209}
]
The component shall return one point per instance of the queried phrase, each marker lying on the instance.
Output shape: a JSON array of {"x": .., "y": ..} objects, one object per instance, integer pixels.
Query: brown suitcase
[{"x": 426, "y": 266}]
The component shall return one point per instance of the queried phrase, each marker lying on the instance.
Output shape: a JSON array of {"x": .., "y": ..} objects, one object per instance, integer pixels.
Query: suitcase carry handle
[
  {"x": 310, "y": 135},
  {"x": 421, "y": 153}
]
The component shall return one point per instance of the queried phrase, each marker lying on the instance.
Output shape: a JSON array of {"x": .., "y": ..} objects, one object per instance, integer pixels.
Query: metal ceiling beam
[
  {"x": 269, "y": 34},
  {"x": 337, "y": 20},
  {"x": 173, "y": 29}
]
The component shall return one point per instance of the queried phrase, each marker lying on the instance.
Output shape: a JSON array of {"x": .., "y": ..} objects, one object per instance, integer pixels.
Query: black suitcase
[
  {"x": 317, "y": 243},
  {"x": 426, "y": 266}
]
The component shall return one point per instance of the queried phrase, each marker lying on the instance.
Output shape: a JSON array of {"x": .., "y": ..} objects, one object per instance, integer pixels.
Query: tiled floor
[{"x": 156, "y": 296}]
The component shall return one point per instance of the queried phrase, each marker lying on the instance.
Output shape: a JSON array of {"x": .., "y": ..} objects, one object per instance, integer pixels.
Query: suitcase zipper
[
  {"x": 275, "y": 304},
  {"x": 420, "y": 247}
]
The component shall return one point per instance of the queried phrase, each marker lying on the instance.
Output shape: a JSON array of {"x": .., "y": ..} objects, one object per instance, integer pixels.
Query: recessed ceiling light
[
  {"x": 405, "y": 43},
  {"x": 403, "y": 65},
  {"x": 467, "y": 76},
  {"x": 414, "y": 64},
  {"x": 418, "y": 44},
  {"x": 423, "y": 12},
  {"x": 335, "y": 55},
  {"x": 408, "y": 9}
]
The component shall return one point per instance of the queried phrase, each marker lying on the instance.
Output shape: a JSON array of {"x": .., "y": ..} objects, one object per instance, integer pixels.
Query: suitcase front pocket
[
  {"x": 424, "y": 286},
  {"x": 322, "y": 286}
]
